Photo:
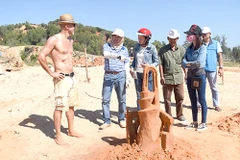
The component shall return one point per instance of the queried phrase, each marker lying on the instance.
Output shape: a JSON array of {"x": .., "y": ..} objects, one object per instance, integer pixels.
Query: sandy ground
[{"x": 27, "y": 131}]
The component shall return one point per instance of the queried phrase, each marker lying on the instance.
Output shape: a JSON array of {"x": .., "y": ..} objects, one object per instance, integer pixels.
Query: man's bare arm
[
  {"x": 220, "y": 61},
  {"x": 47, "y": 49}
]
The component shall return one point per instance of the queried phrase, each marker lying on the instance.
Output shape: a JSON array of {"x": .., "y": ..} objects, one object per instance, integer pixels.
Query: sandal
[{"x": 218, "y": 109}]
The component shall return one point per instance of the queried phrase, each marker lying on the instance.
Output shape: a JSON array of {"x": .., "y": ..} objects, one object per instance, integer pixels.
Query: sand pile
[
  {"x": 231, "y": 124},
  {"x": 182, "y": 149}
]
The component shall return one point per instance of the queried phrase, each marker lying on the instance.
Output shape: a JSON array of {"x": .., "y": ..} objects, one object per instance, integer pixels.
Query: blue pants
[
  {"x": 202, "y": 98},
  {"x": 212, "y": 80},
  {"x": 118, "y": 81},
  {"x": 138, "y": 85}
]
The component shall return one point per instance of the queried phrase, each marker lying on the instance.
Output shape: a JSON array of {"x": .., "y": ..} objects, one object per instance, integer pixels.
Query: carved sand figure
[{"x": 150, "y": 127}]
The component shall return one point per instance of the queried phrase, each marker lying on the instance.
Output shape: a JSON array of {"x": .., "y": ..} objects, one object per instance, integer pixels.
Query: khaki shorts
[{"x": 66, "y": 93}]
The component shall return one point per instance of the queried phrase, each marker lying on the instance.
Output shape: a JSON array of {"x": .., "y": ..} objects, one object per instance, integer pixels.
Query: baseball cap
[
  {"x": 194, "y": 29},
  {"x": 206, "y": 30},
  {"x": 118, "y": 32}
]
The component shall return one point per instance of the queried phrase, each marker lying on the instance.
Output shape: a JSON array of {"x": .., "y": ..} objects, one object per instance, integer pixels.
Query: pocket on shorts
[{"x": 60, "y": 100}]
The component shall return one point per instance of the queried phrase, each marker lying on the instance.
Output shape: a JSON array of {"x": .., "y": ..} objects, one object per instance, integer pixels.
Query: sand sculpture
[{"x": 151, "y": 127}]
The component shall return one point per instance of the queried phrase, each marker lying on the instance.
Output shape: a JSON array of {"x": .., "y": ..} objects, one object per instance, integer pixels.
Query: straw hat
[{"x": 66, "y": 19}]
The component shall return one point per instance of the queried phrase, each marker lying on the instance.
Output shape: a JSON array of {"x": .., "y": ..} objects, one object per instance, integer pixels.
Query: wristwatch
[{"x": 221, "y": 67}]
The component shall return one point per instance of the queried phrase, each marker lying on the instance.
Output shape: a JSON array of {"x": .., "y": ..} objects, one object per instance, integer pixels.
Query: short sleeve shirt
[{"x": 171, "y": 62}]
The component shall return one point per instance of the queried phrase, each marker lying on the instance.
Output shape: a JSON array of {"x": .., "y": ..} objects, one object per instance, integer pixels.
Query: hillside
[
  {"x": 23, "y": 34},
  {"x": 11, "y": 58}
]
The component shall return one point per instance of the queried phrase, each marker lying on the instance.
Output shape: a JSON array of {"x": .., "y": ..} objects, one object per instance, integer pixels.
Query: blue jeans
[
  {"x": 202, "y": 98},
  {"x": 118, "y": 81},
  {"x": 212, "y": 80},
  {"x": 138, "y": 85}
]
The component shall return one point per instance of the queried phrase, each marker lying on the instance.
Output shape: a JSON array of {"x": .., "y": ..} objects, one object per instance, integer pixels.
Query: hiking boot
[
  {"x": 104, "y": 125},
  {"x": 122, "y": 124},
  {"x": 202, "y": 127},
  {"x": 193, "y": 125}
]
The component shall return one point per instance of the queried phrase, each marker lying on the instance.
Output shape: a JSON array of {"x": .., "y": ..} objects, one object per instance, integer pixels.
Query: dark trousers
[
  {"x": 202, "y": 98},
  {"x": 179, "y": 96},
  {"x": 139, "y": 83}
]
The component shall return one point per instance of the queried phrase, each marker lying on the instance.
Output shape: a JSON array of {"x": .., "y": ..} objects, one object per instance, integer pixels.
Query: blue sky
[{"x": 222, "y": 16}]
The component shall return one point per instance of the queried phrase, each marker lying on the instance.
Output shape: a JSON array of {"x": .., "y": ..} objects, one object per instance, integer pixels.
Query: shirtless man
[{"x": 60, "y": 48}]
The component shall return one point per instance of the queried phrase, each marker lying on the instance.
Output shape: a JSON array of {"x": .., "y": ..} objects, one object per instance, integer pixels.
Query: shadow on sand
[
  {"x": 43, "y": 123},
  {"x": 94, "y": 116},
  {"x": 114, "y": 141}
]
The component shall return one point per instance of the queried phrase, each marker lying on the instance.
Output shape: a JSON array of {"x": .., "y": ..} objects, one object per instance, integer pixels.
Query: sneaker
[
  {"x": 193, "y": 125},
  {"x": 122, "y": 124},
  {"x": 104, "y": 125},
  {"x": 182, "y": 119},
  {"x": 202, "y": 127}
]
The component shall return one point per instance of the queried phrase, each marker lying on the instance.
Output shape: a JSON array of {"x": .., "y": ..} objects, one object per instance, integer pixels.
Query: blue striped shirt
[{"x": 115, "y": 64}]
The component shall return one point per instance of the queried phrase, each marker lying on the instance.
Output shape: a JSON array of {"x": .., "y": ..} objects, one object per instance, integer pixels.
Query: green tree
[
  {"x": 217, "y": 38},
  {"x": 35, "y": 36},
  {"x": 158, "y": 44},
  {"x": 129, "y": 43},
  {"x": 225, "y": 48},
  {"x": 11, "y": 38},
  {"x": 236, "y": 53},
  {"x": 51, "y": 30}
]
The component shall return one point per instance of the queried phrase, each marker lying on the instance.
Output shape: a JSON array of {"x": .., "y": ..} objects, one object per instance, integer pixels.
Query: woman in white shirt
[{"x": 145, "y": 54}]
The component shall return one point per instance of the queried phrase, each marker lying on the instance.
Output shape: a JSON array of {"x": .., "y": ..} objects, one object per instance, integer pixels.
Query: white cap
[
  {"x": 118, "y": 32},
  {"x": 173, "y": 33},
  {"x": 206, "y": 30}
]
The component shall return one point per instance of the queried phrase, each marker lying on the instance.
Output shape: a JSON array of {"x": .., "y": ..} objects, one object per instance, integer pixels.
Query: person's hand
[
  {"x": 185, "y": 78},
  {"x": 122, "y": 57},
  {"x": 131, "y": 70},
  {"x": 128, "y": 83},
  {"x": 189, "y": 64},
  {"x": 57, "y": 75},
  {"x": 220, "y": 71},
  {"x": 144, "y": 65},
  {"x": 162, "y": 81}
]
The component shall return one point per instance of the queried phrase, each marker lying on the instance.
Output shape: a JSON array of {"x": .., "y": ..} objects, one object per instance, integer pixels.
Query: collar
[
  {"x": 210, "y": 42},
  {"x": 149, "y": 46},
  {"x": 170, "y": 48}
]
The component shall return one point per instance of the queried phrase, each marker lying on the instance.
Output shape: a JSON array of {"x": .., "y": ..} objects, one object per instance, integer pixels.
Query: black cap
[{"x": 194, "y": 29}]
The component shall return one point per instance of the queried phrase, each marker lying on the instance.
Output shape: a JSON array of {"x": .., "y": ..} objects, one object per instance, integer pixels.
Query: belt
[
  {"x": 111, "y": 72},
  {"x": 68, "y": 75}
]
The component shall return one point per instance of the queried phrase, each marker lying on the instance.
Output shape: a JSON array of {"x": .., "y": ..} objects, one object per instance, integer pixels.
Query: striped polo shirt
[{"x": 115, "y": 64}]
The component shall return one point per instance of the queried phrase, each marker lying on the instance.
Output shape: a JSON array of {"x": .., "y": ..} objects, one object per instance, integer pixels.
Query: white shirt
[{"x": 140, "y": 59}]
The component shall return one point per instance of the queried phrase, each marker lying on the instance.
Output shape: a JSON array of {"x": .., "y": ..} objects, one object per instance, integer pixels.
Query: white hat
[
  {"x": 206, "y": 30},
  {"x": 118, "y": 32},
  {"x": 173, "y": 33}
]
